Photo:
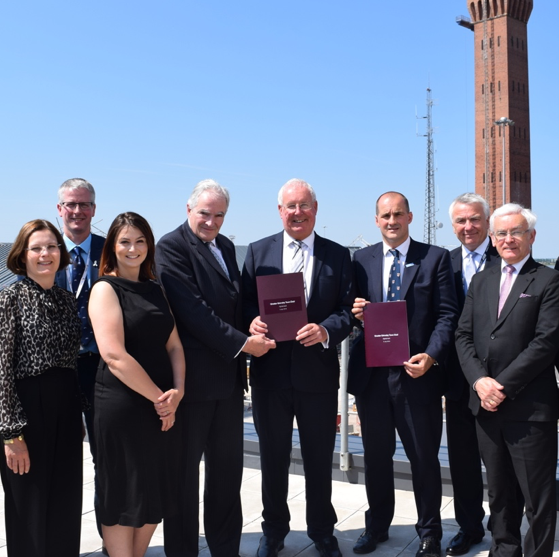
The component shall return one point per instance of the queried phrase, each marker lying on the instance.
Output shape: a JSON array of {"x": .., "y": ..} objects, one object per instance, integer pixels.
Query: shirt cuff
[
  {"x": 242, "y": 348},
  {"x": 326, "y": 343}
]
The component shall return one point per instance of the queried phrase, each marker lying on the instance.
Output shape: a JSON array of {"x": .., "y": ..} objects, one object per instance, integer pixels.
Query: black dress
[{"x": 137, "y": 463}]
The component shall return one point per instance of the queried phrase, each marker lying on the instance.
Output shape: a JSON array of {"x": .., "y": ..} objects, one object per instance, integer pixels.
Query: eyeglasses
[
  {"x": 72, "y": 206},
  {"x": 516, "y": 234},
  {"x": 292, "y": 207},
  {"x": 50, "y": 248}
]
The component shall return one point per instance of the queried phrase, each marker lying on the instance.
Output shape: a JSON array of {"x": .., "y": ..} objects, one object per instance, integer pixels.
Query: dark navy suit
[
  {"x": 208, "y": 313},
  {"x": 389, "y": 399},
  {"x": 518, "y": 442},
  {"x": 88, "y": 361},
  {"x": 463, "y": 451},
  {"x": 293, "y": 380}
]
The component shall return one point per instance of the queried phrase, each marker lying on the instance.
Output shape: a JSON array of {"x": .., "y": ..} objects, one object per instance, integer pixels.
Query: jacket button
[{"x": 492, "y": 337}]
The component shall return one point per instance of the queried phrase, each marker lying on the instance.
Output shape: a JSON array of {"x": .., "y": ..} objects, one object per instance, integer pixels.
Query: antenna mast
[{"x": 430, "y": 223}]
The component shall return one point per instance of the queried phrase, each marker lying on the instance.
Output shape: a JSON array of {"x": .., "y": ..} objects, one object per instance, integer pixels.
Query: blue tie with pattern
[
  {"x": 78, "y": 268},
  {"x": 394, "y": 282}
]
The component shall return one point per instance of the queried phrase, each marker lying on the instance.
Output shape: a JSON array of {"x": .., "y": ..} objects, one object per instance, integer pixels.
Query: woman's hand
[
  {"x": 167, "y": 422},
  {"x": 168, "y": 402},
  {"x": 17, "y": 457}
]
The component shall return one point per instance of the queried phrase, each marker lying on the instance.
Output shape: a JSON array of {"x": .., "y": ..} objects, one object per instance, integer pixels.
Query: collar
[
  {"x": 480, "y": 250},
  {"x": 517, "y": 266},
  {"x": 85, "y": 245},
  {"x": 403, "y": 248},
  {"x": 309, "y": 240}
]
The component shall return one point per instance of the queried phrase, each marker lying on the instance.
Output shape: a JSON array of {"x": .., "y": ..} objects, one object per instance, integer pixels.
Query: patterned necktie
[
  {"x": 505, "y": 288},
  {"x": 394, "y": 280},
  {"x": 470, "y": 269},
  {"x": 217, "y": 254},
  {"x": 78, "y": 268},
  {"x": 298, "y": 262}
]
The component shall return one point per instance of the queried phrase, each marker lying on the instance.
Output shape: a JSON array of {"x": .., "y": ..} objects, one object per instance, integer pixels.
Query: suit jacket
[
  {"x": 518, "y": 348},
  {"x": 61, "y": 278},
  {"x": 207, "y": 310},
  {"x": 428, "y": 288},
  {"x": 456, "y": 382},
  {"x": 290, "y": 364},
  {"x": 97, "y": 243}
]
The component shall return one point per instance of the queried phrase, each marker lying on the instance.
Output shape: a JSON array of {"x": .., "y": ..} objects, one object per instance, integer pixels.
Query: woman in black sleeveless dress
[{"x": 139, "y": 384}]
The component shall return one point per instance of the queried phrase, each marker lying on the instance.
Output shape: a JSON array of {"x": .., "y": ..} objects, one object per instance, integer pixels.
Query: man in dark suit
[
  {"x": 506, "y": 341},
  {"x": 299, "y": 379},
  {"x": 469, "y": 214},
  {"x": 76, "y": 207},
  {"x": 405, "y": 398},
  {"x": 198, "y": 269}
]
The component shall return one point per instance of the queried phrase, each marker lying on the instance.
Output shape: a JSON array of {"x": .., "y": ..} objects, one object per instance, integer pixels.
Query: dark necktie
[
  {"x": 505, "y": 288},
  {"x": 394, "y": 280},
  {"x": 78, "y": 268}
]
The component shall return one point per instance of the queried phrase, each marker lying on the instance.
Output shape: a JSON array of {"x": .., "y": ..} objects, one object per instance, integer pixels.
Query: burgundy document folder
[
  {"x": 281, "y": 300},
  {"x": 386, "y": 334}
]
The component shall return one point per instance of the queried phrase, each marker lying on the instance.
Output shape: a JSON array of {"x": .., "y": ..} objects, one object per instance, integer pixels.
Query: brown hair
[
  {"x": 16, "y": 257},
  {"x": 108, "y": 258}
]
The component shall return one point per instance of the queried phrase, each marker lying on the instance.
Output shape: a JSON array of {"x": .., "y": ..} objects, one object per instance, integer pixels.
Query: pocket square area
[{"x": 522, "y": 295}]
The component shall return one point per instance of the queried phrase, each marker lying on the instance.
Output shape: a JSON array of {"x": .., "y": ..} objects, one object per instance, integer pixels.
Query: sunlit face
[
  {"x": 131, "y": 249},
  {"x": 470, "y": 224},
  {"x": 298, "y": 211},
  {"x": 76, "y": 221},
  {"x": 207, "y": 217},
  {"x": 513, "y": 250},
  {"x": 42, "y": 257},
  {"x": 393, "y": 219}
]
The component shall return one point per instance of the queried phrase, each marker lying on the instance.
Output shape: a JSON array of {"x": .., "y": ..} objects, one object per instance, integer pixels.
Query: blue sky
[{"x": 144, "y": 99}]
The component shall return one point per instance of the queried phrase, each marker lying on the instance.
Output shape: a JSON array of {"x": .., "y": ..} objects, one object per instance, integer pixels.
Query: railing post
[{"x": 344, "y": 455}]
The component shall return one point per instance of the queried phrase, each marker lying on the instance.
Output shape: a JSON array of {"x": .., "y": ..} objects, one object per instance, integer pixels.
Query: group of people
[{"x": 109, "y": 326}]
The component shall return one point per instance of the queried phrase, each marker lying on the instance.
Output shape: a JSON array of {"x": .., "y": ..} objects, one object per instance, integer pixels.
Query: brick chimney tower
[{"x": 502, "y": 95}]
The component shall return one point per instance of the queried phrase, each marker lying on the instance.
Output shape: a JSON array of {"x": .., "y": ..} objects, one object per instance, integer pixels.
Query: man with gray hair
[
  {"x": 76, "y": 208},
  {"x": 506, "y": 340},
  {"x": 198, "y": 269},
  {"x": 469, "y": 214},
  {"x": 299, "y": 379}
]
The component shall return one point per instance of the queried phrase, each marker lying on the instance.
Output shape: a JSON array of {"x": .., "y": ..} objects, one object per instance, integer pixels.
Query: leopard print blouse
[{"x": 39, "y": 329}]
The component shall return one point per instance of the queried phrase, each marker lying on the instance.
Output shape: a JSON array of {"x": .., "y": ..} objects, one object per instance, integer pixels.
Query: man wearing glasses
[
  {"x": 506, "y": 340},
  {"x": 300, "y": 378},
  {"x": 76, "y": 208}
]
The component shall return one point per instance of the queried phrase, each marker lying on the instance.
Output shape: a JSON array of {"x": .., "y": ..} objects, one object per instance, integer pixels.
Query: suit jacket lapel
[
  {"x": 319, "y": 252},
  {"x": 492, "y": 292},
  {"x": 523, "y": 280},
  {"x": 411, "y": 268},
  {"x": 276, "y": 251},
  {"x": 377, "y": 257},
  {"x": 230, "y": 263},
  {"x": 204, "y": 252},
  {"x": 456, "y": 257}
]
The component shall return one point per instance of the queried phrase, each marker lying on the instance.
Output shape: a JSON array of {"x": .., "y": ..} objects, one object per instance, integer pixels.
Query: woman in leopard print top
[{"x": 40, "y": 405}]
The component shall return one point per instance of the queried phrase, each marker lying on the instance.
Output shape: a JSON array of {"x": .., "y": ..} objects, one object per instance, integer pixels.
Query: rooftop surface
[{"x": 349, "y": 501}]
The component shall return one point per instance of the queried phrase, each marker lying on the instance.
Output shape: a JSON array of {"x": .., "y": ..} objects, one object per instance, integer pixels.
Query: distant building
[{"x": 501, "y": 94}]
